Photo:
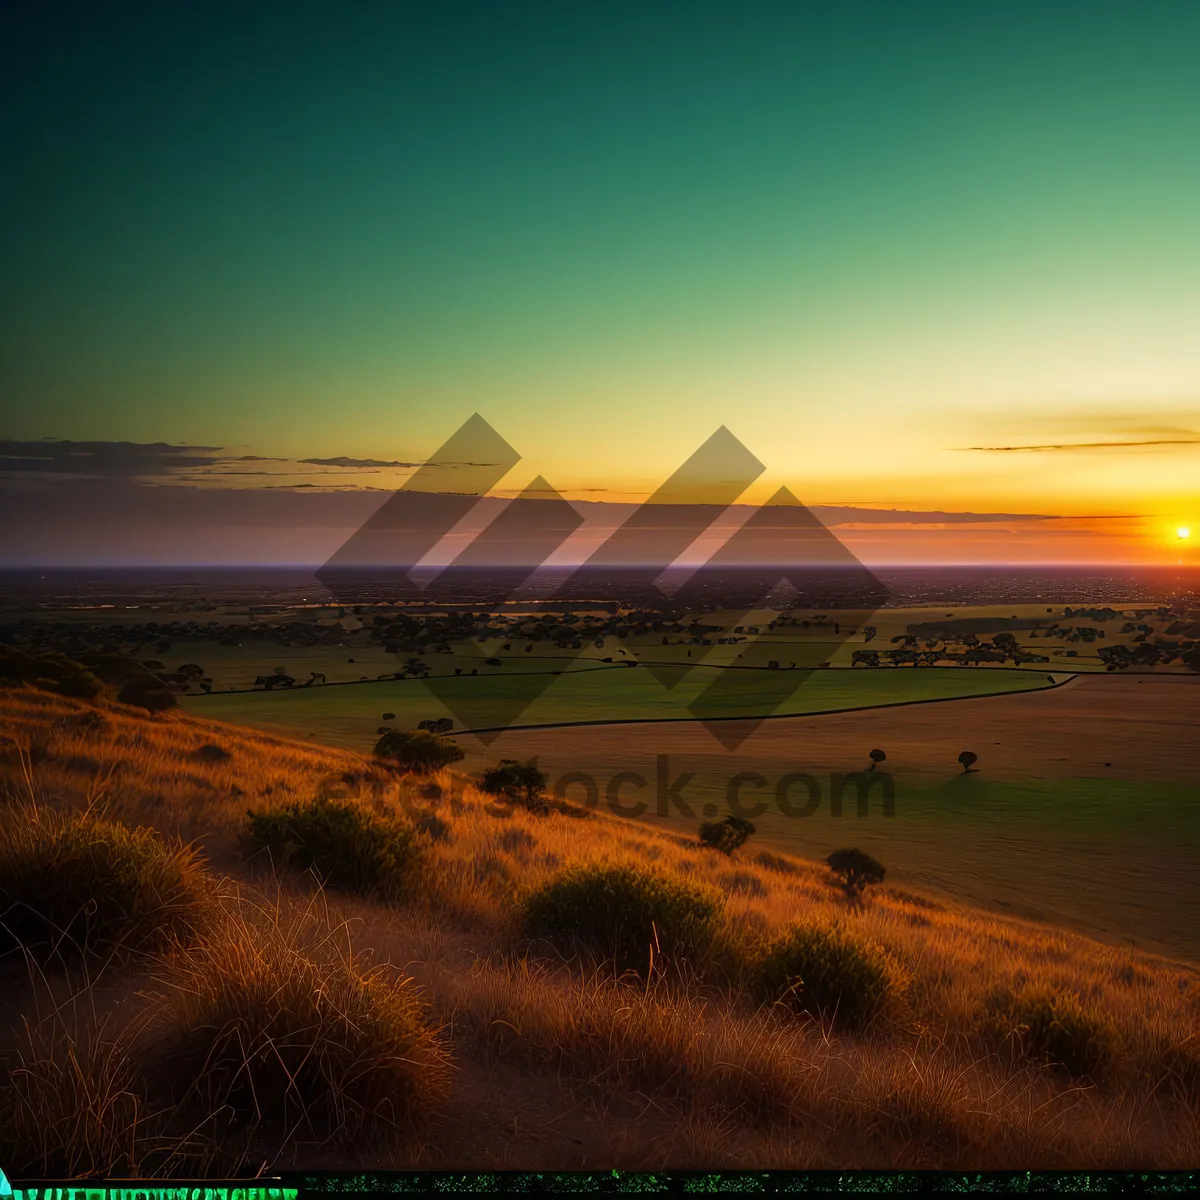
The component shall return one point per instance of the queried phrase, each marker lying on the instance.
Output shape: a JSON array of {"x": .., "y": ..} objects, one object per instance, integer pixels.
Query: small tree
[
  {"x": 855, "y": 870},
  {"x": 518, "y": 783},
  {"x": 420, "y": 752},
  {"x": 876, "y": 757},
  {"x": 726, "y": 835},
  {"x": 968, "y": 760}
]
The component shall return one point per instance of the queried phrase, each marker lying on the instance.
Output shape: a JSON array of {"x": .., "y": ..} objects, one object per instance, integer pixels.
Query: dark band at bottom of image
[{"x": 300, "y": 1186}]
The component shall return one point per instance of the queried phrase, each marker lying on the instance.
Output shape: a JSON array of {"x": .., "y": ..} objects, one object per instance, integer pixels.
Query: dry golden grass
[
  {"x": 159, "y": 770},
  {"x": 275, "y": 1033},
  {"x": 74, "y": 885},
  {"x": 943, "y": 1081},
  {"x": 71, "y": 1107}
]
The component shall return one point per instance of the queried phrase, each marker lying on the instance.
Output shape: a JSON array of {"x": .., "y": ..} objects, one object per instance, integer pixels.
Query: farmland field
[
  {"x": 355, "y": 657},
  {"x": 350, "y": 714},
  {"x": 1083, "y": 809}
]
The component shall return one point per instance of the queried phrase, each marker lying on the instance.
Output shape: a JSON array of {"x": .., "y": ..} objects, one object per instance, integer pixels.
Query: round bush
[
  {"x": 827, "y": 972},
  {"x": 855, "y": 870},
  {"x": 350, "y": 847},
  {"x": 281, "y": 1044},
  {"x": 1053, "y": 1027},
  {"x": 516, "y": 783},
  {"x": 626, "y": 915},
  {"x": 421, "y": 751},
  {"x": 726, "y": 835},
  {"x": 73, "y": 885}
]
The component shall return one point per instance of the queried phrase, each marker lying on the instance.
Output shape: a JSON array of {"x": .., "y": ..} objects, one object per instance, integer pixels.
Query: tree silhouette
[
  {"x": 726, "y": 835},
  {"x": 855, "y": 870},
  {"x": 876, "y": 757},
  {"x": 421, "y": 752},
  {"x": 518, "y": 783},
  {"x": 968, "y": 760}
]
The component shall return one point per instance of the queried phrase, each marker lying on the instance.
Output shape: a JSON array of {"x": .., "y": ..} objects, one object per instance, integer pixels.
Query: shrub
[
  {"x": 629, "y": 916},
  {"x": 1055, "y": 1028},
  {"x": 726, "y": 835},
  {"x": 351, "y": 848},
  {"x": 436, "y": 724},
  {"x": 827, "y": 972},
  {"x": 518, "y": 783},
  {"x": 285, "y": 1043},
  {"x": 855, "y": 870},
  {"x": 52, "y": 672},
  {"x": 421, "y": 751},
  {"x": 210, "y": 752},
  {"x": 73, "y": 885}
]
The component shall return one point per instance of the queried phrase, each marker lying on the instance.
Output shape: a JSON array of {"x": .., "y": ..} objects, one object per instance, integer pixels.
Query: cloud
[
  {"x": 1148, "y": 430},
  {"x": 343, "y": 461},
  {"x": 838, "y": 515},
  {"x": 102, "y": 459},
  {"x": 65, "y": 460},
  {"x": 1054, "y": 446}
]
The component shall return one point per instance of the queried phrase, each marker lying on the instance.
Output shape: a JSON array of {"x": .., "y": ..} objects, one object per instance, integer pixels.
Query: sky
[{"x": 930, "y": 257}]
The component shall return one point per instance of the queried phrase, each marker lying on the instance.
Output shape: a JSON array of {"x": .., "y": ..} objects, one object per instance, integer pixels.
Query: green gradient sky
[{"x": 864, "y": 236}]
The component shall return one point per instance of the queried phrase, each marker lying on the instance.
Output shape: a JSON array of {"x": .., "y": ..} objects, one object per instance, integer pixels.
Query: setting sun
[{"x": 1183, "y": 533}]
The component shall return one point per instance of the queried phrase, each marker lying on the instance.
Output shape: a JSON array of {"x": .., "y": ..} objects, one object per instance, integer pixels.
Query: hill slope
[{"x": 541, "y": 1061}]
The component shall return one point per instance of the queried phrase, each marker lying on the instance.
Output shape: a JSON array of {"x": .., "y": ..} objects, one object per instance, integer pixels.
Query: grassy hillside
[{"x": 474, "y": 1017}]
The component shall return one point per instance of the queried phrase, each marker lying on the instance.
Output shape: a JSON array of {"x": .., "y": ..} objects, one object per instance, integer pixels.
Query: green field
[
  {"x": 1081, "y": 813},
  {"x": 1111, "y": 858},
  {"x": 350, "y": 714}
]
